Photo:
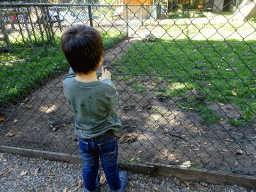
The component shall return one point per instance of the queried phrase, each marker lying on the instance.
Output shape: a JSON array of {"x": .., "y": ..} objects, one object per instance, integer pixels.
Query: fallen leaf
[
  {"x": 131, "y": 184},
  {"x": 23, "y": 173},
  {"x": 54, "y": 129},
  {"x": 80, "y": 184},
  {"x": 230, "y": 140},
  {"x": 29, "y": 106},
  {"x": 6, "y": 172},
  {"x": 36, "y": 171},
  {"x": 234, "y": 93},
  {"x": 2, "y": 118},
  {"x": 239, "y": 152},
  {"x": 9, "y": 134},
  {"x": 58, "y": 182},
  {"x": 186, "y": 164},
  {"x": 204, "y": 184},
  {"x": 146, "y": 105},
  {"x": 224, "y": 150},
  {"x": 202, "y": 189},
  {"x": 154, "y": 83},
  {"x": 39, "y": 186},
  {"x": 191, "y": 186},
  {"x": 156, "y": 188},
  {"x": 30, "y": 189},
  {"x": 50, "y": 175},
  {"x": 102, "y": 179}
]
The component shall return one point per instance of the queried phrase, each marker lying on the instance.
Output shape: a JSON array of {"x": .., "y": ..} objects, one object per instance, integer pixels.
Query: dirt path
[{"x": 154, "y": 129}]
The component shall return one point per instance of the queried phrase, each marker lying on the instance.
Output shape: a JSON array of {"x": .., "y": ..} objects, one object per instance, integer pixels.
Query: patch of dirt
[{"x": 154, "y": 130}]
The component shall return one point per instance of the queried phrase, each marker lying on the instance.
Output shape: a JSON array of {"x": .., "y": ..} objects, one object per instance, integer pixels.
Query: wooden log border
[{"x": 189, "y": 174}]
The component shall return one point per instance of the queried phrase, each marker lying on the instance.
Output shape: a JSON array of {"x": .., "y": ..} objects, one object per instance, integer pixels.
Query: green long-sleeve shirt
[{"x": 93, "y": 105}]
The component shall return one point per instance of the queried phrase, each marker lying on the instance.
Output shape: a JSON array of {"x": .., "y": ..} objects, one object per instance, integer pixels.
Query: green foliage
[
  {"x": 236, "y": 122},
  {"x": 197, "y": 165},
  {"x": 110, "y": 37},
  {"x": 252, "y": 20},
  {"x": 221, "y": 71},
  {"x": 110, "y": 2},
  {"x": 25, "y": 67},
  {"x": 139, "y": 88},
  {"x": 173, "y": 16},
  {"x": 184, "y": 15}
]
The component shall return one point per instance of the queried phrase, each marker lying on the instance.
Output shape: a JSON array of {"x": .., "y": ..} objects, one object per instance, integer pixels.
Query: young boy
[{"x": 93, "y": 102}]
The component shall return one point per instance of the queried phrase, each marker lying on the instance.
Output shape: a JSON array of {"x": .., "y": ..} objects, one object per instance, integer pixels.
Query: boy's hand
[{"x": 105, "y": 74}]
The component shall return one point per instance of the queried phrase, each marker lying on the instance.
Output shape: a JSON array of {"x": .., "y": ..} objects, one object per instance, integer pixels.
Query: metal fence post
[
  {"x": 90, "y": 14},
  {"x": 58, "y": 17},
  {"x": 5, "y": 38},
  {"x": 39, "y": 24},
  {"x": 126, "y": 19},
  {"x": 142, "y": 23},
  {"x": 26, "y": 20}
]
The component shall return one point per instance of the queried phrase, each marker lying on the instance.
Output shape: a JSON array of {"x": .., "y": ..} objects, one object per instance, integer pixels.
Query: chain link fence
[{"x": 185, "y": 72}]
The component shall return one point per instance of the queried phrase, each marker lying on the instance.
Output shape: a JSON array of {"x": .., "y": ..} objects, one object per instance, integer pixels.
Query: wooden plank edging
[{"x": 188, "y": 174}]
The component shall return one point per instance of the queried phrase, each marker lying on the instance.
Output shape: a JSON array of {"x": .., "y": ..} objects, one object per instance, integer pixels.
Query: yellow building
[
  {"x": 139, "y": 9},
  {"x": 138, "y": 2}
]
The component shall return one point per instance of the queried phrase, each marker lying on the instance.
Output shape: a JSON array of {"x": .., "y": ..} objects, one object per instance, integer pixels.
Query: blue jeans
[{"x": 106, "y": 148}]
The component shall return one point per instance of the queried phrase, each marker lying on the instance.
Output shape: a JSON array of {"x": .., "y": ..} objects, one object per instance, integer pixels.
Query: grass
[
  {"x": 25, "y": 68},
  {"x": 214, "y": 61},
  {"x": 139, "y": 89},
  {"x": 184, "y": 14},
  {"x": 197, "y": 165}
]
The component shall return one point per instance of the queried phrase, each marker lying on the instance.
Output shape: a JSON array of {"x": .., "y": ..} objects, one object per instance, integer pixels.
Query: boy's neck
[{"x": 90, "y": 77}]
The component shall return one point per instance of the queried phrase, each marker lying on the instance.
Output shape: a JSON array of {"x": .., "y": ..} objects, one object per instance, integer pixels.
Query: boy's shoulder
[{"x": 102, "y": 85}]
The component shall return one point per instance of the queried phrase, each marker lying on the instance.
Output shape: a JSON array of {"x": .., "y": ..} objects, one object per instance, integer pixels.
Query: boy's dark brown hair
[{"x": 83, "y": 48}]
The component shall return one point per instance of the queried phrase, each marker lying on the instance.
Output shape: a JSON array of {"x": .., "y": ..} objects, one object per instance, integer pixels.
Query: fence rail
[{"x": 186, "y": 82}]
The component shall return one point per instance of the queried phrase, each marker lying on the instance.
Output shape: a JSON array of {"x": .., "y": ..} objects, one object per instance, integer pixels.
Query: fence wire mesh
[{"x": 185, "y": 72}]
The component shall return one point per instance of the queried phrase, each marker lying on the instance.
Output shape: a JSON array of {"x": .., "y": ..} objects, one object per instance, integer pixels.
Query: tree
[{"x": 246, "y": 10}]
